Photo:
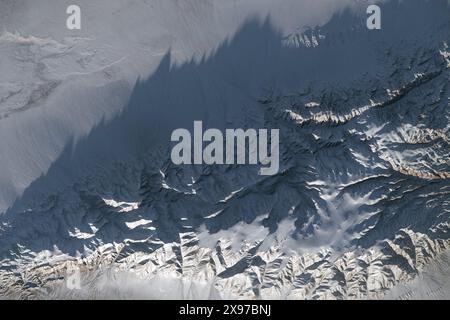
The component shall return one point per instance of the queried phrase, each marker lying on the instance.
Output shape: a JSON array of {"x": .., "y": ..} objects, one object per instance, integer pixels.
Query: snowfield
[{"x": 360, "y": 207}]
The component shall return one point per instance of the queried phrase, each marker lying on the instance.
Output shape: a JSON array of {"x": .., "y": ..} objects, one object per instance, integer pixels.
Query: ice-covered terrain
[{"x": 360, "y": 207}]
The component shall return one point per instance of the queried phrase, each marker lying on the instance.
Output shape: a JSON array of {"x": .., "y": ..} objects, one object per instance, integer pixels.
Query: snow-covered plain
[{"x": 361, "y": 203}]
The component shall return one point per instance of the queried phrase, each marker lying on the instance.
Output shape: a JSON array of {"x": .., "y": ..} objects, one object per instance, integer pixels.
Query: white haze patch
[
  {"x": 238, "y": 234},
  {"x": 340, "y": 215},
  {"x": 431, "y": 284},
  {"x": 124, "y": 285}
]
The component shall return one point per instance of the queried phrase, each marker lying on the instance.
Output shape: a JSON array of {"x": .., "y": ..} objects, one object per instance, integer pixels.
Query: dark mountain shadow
[{"x": 218, "y": 90}]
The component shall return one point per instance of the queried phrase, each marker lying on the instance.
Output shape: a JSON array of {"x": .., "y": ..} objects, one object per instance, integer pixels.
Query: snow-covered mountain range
[{"x": 359, "y": 209}]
